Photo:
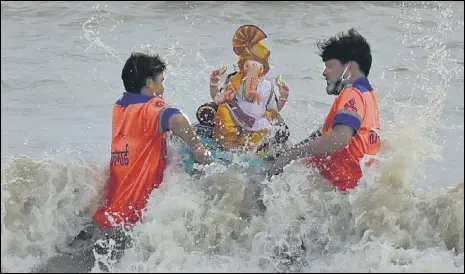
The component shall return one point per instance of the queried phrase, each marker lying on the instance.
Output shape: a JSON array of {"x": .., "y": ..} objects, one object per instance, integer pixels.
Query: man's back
[{"x": 138, "y": 158}]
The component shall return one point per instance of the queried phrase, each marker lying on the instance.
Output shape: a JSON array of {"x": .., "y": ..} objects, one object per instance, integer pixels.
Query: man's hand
[
  {"x": 201, "y": 154},
  {"x": 278, "y": 165},
  {"x": 180, "y": 127},
  {"x": 328, "y": 143}
]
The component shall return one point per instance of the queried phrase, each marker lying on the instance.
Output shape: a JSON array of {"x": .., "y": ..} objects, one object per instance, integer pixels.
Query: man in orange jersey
[
  {"x": 350, "y": 131},
  {"x": 141, "y": 122}
]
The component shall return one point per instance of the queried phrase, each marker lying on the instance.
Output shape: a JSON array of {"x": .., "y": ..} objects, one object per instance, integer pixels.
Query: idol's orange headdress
[{"x": 248, "y": 45}]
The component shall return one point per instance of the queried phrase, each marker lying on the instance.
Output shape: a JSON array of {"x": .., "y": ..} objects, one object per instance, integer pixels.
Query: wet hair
[
  {"x": 345, "y": 47},
  {"x": 138, "y": 68}
]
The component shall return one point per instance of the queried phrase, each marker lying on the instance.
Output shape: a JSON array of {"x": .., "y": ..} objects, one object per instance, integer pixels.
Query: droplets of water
[{"x": 94, "y": 34}]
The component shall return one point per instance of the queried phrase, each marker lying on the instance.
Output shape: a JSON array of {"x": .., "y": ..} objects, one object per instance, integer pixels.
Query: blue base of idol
[{"x": 252, "y": 164}]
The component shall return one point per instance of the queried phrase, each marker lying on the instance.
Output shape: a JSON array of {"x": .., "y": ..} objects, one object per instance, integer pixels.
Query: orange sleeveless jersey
[
  {"x": 138, "y": 159},
  {"x": 356, "y": 107}
]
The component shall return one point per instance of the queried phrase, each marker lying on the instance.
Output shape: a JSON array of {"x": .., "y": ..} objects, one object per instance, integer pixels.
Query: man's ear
[{"x": 353, "y": 66}]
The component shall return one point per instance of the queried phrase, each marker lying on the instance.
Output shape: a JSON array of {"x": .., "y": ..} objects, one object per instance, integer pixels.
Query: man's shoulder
[
  {"x": 350, "y": 89},
  {"x": 158, "y": 102},
  {"x": 350, "y": 93},
  {"x": 156, "y": 108},
  {"x": 362, "y": 85}
]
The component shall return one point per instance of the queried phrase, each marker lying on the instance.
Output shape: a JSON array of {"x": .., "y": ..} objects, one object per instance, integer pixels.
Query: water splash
[
  {"x": 415, "y": 122},
  {"x": 45, "y": 204},
  {"x": 217, "y": 223},
  {"x": 93, "y": 35}
]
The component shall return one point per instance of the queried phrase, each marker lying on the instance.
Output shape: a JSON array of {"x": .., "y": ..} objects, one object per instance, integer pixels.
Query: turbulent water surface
[{"x": 61, "y": 65}]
